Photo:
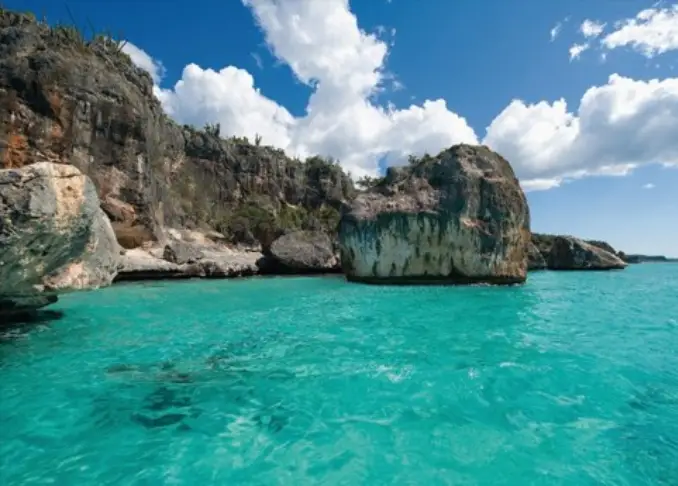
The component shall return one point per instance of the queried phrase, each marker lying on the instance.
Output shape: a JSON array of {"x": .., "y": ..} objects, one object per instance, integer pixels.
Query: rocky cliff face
[
  {"x": 458, "y": 217},
  {"x": 53, "y": 236},
  {"x": 69, "y": 101},
  {"x": 535, "y": 259}
]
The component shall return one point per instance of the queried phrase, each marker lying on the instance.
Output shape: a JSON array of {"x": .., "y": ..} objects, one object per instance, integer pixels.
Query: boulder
[
  {"x": 303, "y": 252},
  {"x": 569, "y": 253},
  {"x": 535, "y": 260},
  {"x": 459, "y": 217},
  {"x": 53, "y": 236}
]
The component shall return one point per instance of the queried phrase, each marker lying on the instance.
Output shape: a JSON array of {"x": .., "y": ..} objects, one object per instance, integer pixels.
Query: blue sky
[{"x": 477, "y": 56}]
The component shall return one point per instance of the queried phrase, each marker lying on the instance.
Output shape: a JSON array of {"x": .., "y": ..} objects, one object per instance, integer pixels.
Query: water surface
[{"x": 571, "y": 379}]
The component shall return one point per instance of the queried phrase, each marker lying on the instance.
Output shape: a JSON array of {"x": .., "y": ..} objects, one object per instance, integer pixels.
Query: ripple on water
[{"x": 570, "y": 379}]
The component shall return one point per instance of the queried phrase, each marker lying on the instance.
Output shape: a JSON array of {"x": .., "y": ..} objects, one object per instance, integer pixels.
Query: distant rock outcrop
[
  {"x": 568, "y": 253},
  {"x": 53, "y": 236},
  {"x": 459, "y": 217}
]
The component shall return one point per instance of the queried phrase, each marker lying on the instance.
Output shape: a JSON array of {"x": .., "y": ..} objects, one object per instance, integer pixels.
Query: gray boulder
[
  {"x": 303, "y": 252},
  {"x": 53, "y": 235}
]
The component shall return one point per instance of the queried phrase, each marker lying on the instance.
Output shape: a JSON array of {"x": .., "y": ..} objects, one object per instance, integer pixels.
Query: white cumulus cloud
[
  {"x": 325, "y": 48},
  {"x": 614, "y": 128},
  {"x": 651, "y": 32},
  {"x": 576, "y": 50},
  {"x": 591, "y": 28},
  {"x": 144, "y": 61},
  {"x": 649, "y": 185}
]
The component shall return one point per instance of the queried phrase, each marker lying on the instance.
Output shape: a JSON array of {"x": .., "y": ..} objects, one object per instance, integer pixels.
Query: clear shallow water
[{"x": 571, "y": 379}]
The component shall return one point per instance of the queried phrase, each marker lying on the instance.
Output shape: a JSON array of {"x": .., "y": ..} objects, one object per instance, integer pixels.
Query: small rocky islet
[{"x": 98, "y": 184}]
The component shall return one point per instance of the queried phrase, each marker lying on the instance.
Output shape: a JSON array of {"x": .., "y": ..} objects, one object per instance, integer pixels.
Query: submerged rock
[
  {"x": 459, "y": 217},
  {"x": 53, "y": 236},
  {"x": 569, "y": 253}
]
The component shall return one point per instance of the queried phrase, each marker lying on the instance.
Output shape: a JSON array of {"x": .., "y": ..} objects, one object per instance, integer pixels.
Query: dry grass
[
  {"x": 16, "y": 153},
  {"x": 131, "y": 237}
]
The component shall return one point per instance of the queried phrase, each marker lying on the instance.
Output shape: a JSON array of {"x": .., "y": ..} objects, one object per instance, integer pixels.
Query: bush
[
  {"x": 251, "y": 224},
  {"x": 131, "y": 237}
]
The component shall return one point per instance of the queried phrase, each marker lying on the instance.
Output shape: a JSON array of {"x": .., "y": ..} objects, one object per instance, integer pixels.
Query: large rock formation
[
  {"x": 66, "y": 100},
  {"x": 53, "y": 236},
  {"x": 459, "y": 217}
]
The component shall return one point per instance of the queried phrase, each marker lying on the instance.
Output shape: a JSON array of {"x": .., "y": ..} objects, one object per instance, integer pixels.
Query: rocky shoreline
[{"x": 98, "y": 185}]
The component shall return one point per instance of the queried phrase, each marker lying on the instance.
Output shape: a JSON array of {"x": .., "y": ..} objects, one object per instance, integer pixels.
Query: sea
[{"x": 570, "y": 379}]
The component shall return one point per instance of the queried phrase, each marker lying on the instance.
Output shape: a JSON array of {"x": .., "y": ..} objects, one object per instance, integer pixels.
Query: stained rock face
[
  {"x": 53, "y": 235},
  {"x": 569, "y": 253},
  {"x": 459, "y": 217},
  {"x": 303, "y": 252}
]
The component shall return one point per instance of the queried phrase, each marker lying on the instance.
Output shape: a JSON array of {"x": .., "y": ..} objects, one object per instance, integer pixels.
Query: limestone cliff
[
  {"x": 69, "y": 100},
  {"x": 459, "y": 217},
  {"x": 53, "y": 236}
]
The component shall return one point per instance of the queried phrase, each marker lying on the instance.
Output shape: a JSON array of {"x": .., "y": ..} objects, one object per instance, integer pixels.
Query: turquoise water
[{"x": 571, "y": 379}]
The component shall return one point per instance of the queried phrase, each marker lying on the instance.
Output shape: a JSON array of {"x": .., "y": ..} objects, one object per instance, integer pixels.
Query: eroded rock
[
  {"x": 53, "y": 235},
  {"x": 459, "y": 217}
]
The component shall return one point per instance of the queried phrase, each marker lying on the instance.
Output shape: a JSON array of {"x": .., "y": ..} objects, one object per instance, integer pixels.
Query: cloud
[
  {"x": 257, "y": 60},
  {"x": 651, "y": 32},
  {"x": 649, "y": 185},
  {"x": 230, "y": 98},
  {"x": 556, "y": 30},
  {"x": 614, "y": 128},
  {"x": 617, "y": 127},
  {"x": 591, "y": 28},
  {"x": 323, "y": 45},
  {"x": 576, "y": 50},
  {"x": 144, "y": 61}
]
